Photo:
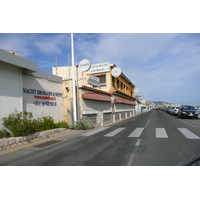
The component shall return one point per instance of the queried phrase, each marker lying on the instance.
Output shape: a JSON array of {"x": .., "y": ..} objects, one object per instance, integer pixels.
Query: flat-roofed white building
[{"x": 25, "y": 88}]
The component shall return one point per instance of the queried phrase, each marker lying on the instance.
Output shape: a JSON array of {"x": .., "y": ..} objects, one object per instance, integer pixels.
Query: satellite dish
[{"x": 136, "y": 90}]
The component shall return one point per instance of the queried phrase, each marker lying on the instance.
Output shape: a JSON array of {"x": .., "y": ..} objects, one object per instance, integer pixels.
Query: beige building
[{"x": 100, "y": 95}]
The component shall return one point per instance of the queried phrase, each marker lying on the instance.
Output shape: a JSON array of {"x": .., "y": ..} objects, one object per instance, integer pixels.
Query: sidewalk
[{"x": 39, "y": 137}]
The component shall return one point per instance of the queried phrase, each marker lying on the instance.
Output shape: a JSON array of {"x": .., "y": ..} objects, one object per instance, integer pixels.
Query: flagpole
[{"x": 73, "y": 79}]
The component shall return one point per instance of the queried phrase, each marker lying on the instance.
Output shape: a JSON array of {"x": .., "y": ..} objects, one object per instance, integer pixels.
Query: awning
[
  {"x": 124, "y": 101},
  {"x": 94, "y": 96}
]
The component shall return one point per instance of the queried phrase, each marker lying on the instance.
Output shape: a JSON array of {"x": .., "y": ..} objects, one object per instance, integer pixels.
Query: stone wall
[{"x": 6, "y": 143}]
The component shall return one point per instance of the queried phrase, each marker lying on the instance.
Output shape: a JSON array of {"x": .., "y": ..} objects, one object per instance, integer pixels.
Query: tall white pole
[{"x": 73, "y": 79}]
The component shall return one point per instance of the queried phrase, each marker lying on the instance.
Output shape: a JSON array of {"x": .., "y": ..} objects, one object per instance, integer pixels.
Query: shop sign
[
  {"x": 116, "y": 72},
  {"x": 43, "y": 98},
  {"x": 98, "y": 68},
  {"x": 93, "y": 80},
  {"x": 84, "y": 65}
]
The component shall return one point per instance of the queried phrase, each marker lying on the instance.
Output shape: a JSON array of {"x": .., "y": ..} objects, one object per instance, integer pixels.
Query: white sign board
[
  {"x": 98, "y": 68},
  {"x": 116, "y": 71},
  {"x": 136, "y": 90},
  {"x": 94, "y": 81},
  {"x": 84, "y": 65}
]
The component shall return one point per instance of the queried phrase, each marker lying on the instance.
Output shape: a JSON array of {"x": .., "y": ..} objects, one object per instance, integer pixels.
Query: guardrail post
[
  {"x": 101, "y": 120},
  {"x": 113, "y": 117}
]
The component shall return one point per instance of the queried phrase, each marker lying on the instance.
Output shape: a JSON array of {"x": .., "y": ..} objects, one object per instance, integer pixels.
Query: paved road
[{"x": 154, "y": 138}]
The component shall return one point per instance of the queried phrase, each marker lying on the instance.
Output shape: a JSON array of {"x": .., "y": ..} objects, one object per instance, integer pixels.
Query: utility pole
[{"x": 73, "y": 80}]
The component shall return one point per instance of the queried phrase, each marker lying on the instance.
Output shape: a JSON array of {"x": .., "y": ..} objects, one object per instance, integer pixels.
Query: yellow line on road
[{"x": 35, "y": 143}]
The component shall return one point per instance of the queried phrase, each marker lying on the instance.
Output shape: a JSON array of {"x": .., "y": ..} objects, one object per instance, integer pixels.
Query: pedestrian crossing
[{"x": 136, "y": 133}]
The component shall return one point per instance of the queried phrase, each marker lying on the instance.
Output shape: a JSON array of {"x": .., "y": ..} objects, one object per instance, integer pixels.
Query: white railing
[{"x": 117, "y": 116}]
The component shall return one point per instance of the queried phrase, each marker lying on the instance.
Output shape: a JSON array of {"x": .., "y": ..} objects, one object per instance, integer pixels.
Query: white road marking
[
  {"x": 188, "y": 134},
  {"x": 94, "y": 131},
  {"x": 149, "y": 119},
  {"x": 161, "y": 133},
  {"x": 136, "y": 133},
  {"x": 188, "y": 123},
  {"x": 113, "y": 133},
  {"x": 130, "y": 161}
]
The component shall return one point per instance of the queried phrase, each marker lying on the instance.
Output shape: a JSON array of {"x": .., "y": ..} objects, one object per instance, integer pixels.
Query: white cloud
[
  {"x": 51, "y": 44},
  {"x": 16, "y": 42},
  {"x": 166, "y": 64}
]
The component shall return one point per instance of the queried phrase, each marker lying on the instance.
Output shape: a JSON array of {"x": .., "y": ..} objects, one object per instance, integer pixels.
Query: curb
[{"x": 6, "y": 143}]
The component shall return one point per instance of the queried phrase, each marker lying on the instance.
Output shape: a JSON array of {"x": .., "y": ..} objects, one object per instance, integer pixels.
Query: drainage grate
[{"x": 47, "y": 143}]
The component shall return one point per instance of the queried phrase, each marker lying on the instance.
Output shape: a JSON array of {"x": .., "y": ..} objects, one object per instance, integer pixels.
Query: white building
[{"x": 25, "y": 88}]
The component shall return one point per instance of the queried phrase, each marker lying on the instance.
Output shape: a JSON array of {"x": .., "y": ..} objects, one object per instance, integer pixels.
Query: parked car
[
  {"x": 171, "y": 110},
  {"x": 187, "y": 112},
  {"x": 168, "y": 108},
  {"x": 174, "y": 111},
  {"x": 198, "y": 110}
]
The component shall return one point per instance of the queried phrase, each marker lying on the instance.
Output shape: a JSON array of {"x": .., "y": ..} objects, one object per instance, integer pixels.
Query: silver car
[{"x": 174, "y": 111}]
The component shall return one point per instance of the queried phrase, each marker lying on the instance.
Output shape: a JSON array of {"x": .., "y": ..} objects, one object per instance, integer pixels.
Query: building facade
[
  {"x": 99, "y": 93},
  {"x": 25, "y": 88}
]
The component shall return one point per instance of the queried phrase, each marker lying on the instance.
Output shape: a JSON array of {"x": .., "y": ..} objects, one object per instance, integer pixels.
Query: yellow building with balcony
[{"x": 100, "y": 95}]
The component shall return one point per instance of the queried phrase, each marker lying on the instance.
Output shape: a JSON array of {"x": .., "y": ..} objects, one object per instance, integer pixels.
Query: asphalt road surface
[{"x": 154, "y": 138}]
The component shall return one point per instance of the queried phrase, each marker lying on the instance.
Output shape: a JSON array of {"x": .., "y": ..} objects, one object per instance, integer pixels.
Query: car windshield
[{"x": 188, "y": 108}]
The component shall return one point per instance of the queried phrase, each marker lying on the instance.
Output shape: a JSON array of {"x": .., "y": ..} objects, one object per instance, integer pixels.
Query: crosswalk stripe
[
  {"x": 188, "y": 134},
  {"x": 161, "y": 133},
  {"x": 136, "y": 133},
  {"x": 113, "y": 133},
  {"x": 94, "y": 131}
]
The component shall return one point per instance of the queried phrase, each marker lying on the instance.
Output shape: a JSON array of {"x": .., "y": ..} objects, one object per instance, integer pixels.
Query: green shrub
[
  {"x": 62, "y": 124},
  {"x": 4, "y": 133},
  {"x": 19, "y": 124},
  {"x": 83, "y": 124},
  {"x": 22, "y": 124},
  {"x": 46, "y": 123}
]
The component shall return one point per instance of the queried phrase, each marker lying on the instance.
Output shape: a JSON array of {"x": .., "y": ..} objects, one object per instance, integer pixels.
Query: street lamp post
[
  {"x": 136, "y": 81},
  {"x": 73, "y": 80},
  {"x": 146, "y": 99}
]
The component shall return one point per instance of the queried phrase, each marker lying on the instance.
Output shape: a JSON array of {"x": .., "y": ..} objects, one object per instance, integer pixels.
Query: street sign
[
  {"x": 93, "y": 80},
  {"x": 84, "y": 65}
]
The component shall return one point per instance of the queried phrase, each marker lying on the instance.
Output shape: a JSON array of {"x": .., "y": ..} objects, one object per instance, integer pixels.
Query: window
[{"x": 102, "y": 80}]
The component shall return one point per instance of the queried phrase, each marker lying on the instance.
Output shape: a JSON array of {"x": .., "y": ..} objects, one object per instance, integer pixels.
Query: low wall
[{"x": 6, "y": 143}]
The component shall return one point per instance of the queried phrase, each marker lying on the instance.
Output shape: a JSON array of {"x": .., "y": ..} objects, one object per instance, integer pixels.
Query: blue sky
[{"x": 168, "y": 65}]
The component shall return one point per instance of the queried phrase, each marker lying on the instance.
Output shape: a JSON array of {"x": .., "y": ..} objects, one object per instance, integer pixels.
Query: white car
[{"x": 174, "y": 111}]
